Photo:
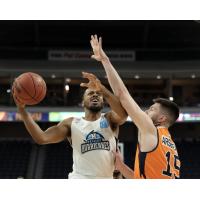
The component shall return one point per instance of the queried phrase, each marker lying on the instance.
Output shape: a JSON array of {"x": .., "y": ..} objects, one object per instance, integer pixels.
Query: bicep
[{"x": 56, "y": 133}]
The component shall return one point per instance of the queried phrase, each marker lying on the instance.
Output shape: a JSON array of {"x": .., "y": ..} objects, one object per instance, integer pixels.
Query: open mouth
[{"x": 94, "y": 100}]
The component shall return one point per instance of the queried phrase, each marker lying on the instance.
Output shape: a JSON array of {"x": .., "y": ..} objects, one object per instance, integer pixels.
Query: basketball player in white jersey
[{"x": 93, "y": 137}]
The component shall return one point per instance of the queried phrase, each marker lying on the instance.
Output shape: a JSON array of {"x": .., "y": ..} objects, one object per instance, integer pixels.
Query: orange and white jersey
[{"x": 160, "y": 163}]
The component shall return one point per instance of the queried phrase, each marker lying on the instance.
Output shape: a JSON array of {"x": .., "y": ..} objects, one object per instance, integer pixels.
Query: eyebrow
[{"x": 94, "y": 92}]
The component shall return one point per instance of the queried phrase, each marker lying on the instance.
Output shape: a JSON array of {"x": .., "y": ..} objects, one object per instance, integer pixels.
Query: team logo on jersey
[
  {"x": 167, "y": 142},
  {"x": 104, "y": 123},
  {"x": 94, "y": 141}
]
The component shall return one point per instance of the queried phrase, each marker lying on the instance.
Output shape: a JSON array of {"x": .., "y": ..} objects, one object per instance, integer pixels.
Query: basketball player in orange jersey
[
  {"x": 93, "y": 137},
  {"x": 156, "y": 155}
]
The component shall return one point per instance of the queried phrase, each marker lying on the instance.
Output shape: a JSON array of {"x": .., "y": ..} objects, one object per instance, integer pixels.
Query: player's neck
[
  {"x": 161, "y": 124},
  {"x": 91, "y": 116}
]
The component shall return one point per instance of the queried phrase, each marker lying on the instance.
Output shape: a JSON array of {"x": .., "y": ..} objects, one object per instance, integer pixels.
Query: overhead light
[
  {"x": 68, "y": 80},
  {"x": 158, "y": 76},
  {"x": 67, "y": 88},
  {"x": 8, "y": 91},
  {"x": 193, "y": 76},
  {"x": 171, "y": 98},
  {"x": 136, "y": 76},
  {"x": 53, "y": 76}
]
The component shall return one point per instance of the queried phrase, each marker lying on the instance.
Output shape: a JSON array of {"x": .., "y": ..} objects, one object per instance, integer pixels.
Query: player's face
[
  {"x": 154, "y": 112},
  {"x": 93, "y": 100}
]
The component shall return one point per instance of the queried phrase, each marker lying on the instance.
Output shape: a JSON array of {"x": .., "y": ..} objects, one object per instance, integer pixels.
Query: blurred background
[{"x": 154, "y": 58}]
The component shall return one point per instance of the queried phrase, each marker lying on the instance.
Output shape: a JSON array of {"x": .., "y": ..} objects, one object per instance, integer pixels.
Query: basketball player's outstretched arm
[
  {"x": 53, "y": 134},
  {"x": 122, "y": 167},
  {"x": 117, "y": 114},
  {"x": 139, "y": 117}
]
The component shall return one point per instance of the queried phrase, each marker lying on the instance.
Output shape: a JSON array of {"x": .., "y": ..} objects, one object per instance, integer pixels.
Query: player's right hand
[
  {"x": 17, "y": 101},
  {"x": 94, "y": 82}
]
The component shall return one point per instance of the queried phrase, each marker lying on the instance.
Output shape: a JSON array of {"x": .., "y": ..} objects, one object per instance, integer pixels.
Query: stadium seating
[
  {"x": 14, "y": 158},
  {"x": 190, "y": 161},
  {"x": 58, "y": 162}
]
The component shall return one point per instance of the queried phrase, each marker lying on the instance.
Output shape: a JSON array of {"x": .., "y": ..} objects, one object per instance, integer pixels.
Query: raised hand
[
  {"x": 94, "y": 82},
  {"x": 98, "y": 53}
]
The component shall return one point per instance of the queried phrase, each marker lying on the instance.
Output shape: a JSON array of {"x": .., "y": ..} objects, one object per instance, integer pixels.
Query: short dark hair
[{"x": 171, "y": 108}]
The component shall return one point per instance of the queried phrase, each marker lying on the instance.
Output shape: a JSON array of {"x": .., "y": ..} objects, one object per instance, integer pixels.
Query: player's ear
[
  {"x": 162, "y": 118},
  {"x": 82, "y": 103},
  {"x": 104, "y": 102}
]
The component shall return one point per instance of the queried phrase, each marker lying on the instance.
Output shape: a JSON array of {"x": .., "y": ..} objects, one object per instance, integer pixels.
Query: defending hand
[{"x": 96, "y": 45}]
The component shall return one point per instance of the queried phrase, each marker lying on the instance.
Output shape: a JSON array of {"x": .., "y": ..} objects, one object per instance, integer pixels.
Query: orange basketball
[{"x": 29, "y": 88}]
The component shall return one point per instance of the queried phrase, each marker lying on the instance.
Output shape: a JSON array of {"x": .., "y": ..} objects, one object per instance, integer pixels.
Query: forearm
[
  {"x": 114, "y": 79},
  {"x": 113, "y": 102},
  {"x": 120, "y": 90},
  {"x": 32, "y": 127},
  {"x": 126, "y": 171}
]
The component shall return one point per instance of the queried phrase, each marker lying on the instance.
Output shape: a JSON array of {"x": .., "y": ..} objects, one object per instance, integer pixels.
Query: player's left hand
[
  {"x": 98, "y": 52},
  {"x": 94, "y": 82}
]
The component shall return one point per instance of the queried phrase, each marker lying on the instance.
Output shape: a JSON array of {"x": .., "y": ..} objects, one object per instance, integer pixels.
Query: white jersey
[{"x": 92, "y": 143}]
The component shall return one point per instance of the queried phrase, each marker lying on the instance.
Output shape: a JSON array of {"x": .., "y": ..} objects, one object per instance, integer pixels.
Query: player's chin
[
  {"x": 94, "y": 103},
  {"x": 96, "y": 107}
]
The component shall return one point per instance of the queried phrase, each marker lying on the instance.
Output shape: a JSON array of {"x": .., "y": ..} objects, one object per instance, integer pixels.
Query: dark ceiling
[
  {"x": 171, "y": 48},
  {"x": 152, "y": 40},
  {"x": 117, "y": 34}
]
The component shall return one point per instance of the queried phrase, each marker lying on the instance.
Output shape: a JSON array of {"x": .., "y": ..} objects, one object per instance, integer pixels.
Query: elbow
[
  {"x": 40, "y": 141},
  {"x": 123, "y": 119}
]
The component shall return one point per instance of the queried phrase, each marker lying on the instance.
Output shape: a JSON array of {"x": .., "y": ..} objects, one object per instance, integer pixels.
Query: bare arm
[
  {"x": 140, "y": 118},
  {"x": 122, "y": 167},
  {"x": 53, "y": 134},
  {"x": 117, "y": 114}
]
